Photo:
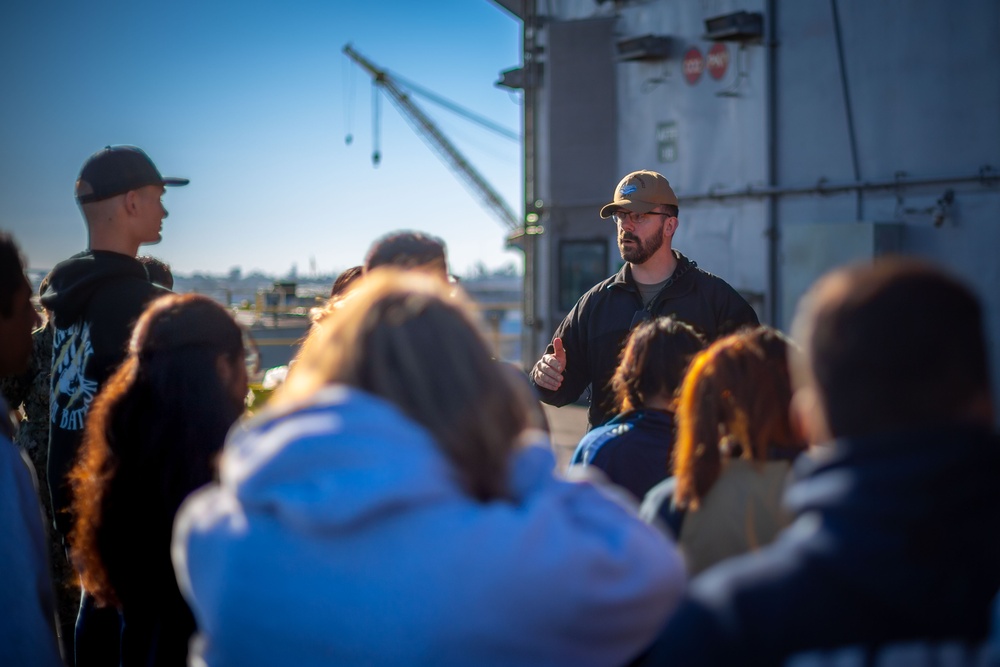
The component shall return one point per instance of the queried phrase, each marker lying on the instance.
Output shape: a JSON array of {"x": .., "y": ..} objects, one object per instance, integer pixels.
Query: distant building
[{"x": 277, "y": 311}]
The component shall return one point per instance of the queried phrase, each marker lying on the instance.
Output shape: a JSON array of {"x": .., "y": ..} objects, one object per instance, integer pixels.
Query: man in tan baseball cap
[
  {"x": 640, "y": 192},
  {"x": 655, "y": 281}
]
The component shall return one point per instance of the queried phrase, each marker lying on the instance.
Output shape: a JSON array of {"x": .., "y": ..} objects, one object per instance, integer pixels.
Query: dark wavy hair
[
  {"x": 158, "y": 271},
  {"x": 653, "y": 361},
  {"x": 152, "y": 437},
  {"x": 344, "y": 281},
  {"x": 734, "y": 402}
]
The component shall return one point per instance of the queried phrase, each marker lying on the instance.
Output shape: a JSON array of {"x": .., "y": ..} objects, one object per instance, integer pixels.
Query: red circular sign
[
  {"x": 694, "y": 65},
  {"x": 718, "y": 60}
]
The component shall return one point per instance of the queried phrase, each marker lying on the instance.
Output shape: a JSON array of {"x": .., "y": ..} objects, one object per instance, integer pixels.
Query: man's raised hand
[{"x": 548, "y": 372}]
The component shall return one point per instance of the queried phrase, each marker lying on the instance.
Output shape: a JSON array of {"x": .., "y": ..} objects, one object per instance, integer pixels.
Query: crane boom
[{"x": 426, "y": 128}]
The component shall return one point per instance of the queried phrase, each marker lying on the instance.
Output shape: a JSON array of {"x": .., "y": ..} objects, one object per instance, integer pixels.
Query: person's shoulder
[
  {"x": 617, "y": 279},
  {"x": 114, "y": 309},
  {"x": 16, "y": 473},
  {"x": 732, "y": 307},
  {"x": 707, "y": 278},
  {"x": 79, "y": 261},
  {"x": 626, "y": 436},
  {"x": 600, "y": 294},
  {"x": 598, "y": 440},
  {"x": 658, "y": 504},
  {"x": 765, "y": 579},
  {"x": 128, "y": 293}
]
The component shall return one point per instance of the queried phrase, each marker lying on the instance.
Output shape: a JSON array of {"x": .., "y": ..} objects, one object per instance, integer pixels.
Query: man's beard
[{"x": 641, "y": 250}]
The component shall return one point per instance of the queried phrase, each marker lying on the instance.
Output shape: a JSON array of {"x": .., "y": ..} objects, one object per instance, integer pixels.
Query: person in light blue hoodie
[{"x": 388, "y": 509}]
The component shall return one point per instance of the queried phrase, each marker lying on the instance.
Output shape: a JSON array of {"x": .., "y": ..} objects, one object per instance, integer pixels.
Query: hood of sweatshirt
[
  {"x": 324, "y": 483},
  {"x": 344, "y": 509},
  {"x": 74, "y": 281}
]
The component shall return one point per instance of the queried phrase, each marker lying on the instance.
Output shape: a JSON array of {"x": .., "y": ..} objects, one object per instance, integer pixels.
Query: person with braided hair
[{"x": 735, "y": 447}]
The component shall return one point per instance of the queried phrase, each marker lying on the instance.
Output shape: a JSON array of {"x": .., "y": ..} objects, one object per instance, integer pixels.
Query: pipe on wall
[
  {"x": 986, "y": 176},
  {"x": 772, "y": 164},
  {"x": 848, "y": 108}
]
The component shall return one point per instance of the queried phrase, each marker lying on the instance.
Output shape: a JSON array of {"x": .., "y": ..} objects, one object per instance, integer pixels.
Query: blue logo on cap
[{"x": 628, "y": 189}]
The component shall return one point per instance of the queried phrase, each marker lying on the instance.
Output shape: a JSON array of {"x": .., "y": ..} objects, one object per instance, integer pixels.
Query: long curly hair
[
  {"x": 734, "y": 403},
  {"x": 412, "y": 339},
  {"x": 152, "y": 437}
]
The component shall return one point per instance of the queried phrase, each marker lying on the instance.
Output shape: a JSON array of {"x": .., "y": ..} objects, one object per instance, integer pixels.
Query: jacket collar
[
  {"x": 663, "y": 417},
  {"x": 624, "y": 280}
]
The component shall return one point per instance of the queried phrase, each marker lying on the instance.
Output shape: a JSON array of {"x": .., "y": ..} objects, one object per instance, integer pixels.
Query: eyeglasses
[{"x": 621, "y": 215}]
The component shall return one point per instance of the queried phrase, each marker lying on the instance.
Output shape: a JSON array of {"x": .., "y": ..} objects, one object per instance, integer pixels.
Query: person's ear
[
  {"x": 131, "y": 202},
  {"x": 670, "y": 226},
  {"x": 807, "y": 417}
]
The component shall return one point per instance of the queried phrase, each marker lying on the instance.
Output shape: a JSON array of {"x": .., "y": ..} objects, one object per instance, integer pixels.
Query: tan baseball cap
[{"x": 641, "y": 192}]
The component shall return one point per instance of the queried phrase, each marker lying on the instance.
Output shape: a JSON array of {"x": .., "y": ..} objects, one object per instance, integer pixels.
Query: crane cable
[
  {"x": 376, "y": 124},
  {"x": 410, "y": 87},
  {"x": 349, "y": 87},
  {"x": 455, "y": 108}
]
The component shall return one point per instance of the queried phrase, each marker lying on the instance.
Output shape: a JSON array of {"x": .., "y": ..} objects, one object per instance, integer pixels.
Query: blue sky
[{"x": 252, "y": 101}]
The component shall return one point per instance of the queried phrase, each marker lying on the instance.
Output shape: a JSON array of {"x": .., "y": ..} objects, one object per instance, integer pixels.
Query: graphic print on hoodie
[
  {"x": 94, "y": 299},
  {"x": 72, "y": 391}
]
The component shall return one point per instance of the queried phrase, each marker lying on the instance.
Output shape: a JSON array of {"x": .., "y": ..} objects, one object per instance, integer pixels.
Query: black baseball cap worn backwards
[{"x": 115, "y": 170}]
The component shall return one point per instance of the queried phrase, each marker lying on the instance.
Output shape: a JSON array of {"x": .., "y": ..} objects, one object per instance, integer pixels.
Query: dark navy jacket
[
  {"x": 896, "y": 538},
  {"x": 596, "y": 328},
  {"x": 633, "y": 449}
]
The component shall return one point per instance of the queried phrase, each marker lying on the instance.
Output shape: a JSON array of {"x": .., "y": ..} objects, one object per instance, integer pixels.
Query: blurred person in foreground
[
  {"x": 28, "y": 632},
  {"x": 635, "y": 448},
  {"x": 734, "y": 454},
  {"x": 897, "y": 535},
  {"x": 30, "y": 391},
  {"x": 390, "y": 505},
  {"x": 152, "y": 437}
]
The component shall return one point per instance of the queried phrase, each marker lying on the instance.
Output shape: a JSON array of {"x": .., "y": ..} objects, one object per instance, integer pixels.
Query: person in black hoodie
[
  {"x": 94, "y": 299},
  {"x": 897, "y": 535}
]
